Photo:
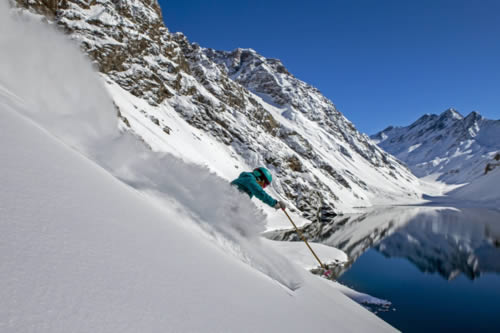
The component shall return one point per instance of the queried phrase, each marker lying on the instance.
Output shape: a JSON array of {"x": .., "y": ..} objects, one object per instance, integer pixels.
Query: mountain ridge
[
  {"x": 252, "y": 105},
  {"x": 454, "y": 147}
]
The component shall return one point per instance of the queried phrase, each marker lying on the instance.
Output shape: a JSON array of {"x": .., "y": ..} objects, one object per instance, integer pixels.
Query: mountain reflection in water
[{"x": 447, "y": 241}]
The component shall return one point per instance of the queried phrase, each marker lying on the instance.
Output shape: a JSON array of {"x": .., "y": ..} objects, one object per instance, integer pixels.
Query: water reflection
[
  {"x": 449, "y": 242},
  {"x": 446, "y": 241}
]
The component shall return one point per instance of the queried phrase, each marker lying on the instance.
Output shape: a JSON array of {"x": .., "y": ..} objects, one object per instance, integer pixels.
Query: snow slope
[
  {"x": 485, "y": 189},
  {"x": 82, "y": 252},
  {"x": 99, "y": 234}
]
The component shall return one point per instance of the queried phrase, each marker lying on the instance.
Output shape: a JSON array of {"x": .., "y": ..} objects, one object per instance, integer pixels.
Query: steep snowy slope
[
  {"x": 82, "y": 252},
  {"x": 454, "y": 148},
  {"x": 99, "y": 234},
  {"x": 245, "y": 109}
]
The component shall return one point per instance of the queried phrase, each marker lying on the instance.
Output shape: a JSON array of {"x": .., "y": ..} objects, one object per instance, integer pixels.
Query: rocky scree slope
[
  {"x": 455, "y": 147},
  {"x": 249, "y": 103}
]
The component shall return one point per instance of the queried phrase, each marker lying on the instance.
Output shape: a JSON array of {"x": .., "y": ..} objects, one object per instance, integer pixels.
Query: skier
[{"x": 253, "y": 183}]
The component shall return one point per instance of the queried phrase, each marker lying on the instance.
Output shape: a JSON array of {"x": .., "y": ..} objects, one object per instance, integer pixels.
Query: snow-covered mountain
[
  {"x": 100, "y": 234},
  {"x": 453, "y": 147},
  {"x": 230, "y": 111}
]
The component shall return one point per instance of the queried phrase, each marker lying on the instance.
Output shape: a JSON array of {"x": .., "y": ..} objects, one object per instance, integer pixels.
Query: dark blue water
[
  {"x": 440, "y": 267},
  {"x": 440, "y": 270},
  {"x": 426, "y": 302}
]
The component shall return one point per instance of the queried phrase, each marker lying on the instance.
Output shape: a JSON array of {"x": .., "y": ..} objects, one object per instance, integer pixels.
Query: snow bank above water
[{"x": 486, "y": 189}]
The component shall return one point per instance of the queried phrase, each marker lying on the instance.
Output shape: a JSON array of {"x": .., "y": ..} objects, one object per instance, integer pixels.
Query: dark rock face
[
  {"x": 46, "y": 8},
  {"x": 122, "y": 38},
  {"x": 244, "y": 100}
]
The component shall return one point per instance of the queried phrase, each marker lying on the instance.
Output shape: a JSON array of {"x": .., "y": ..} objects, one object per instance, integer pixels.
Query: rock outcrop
[{"x": 249, "y": 103}]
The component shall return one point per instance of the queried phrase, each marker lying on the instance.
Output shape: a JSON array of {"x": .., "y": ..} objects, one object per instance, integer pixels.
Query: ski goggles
[{"x": 263, "y": 179}]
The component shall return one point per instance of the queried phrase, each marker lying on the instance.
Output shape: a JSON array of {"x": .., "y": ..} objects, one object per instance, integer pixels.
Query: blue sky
[{"x": 381, "y": 62}]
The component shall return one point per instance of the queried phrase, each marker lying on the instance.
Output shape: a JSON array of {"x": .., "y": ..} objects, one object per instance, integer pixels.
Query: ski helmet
[{"x": 263, "y": 174}]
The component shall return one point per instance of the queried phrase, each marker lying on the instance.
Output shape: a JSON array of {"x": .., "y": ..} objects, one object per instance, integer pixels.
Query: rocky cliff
[{"x": 251, "y": 105}]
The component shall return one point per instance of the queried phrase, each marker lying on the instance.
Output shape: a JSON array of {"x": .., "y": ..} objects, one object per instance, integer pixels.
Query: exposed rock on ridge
[{"x": 248, "y": 102}]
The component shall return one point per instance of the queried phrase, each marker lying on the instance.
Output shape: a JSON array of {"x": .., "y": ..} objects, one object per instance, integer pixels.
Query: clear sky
[{"x": 381, "y": 62}]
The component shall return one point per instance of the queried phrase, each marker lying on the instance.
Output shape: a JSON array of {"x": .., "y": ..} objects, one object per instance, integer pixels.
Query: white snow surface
[
  {"x": 99, "y": 234},
  {"x": 485, "y": 189},
  {"x": 300, "y": 254}
]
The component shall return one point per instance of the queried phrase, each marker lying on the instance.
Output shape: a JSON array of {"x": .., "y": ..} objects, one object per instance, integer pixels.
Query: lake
[{"x": 440, "y": 267}]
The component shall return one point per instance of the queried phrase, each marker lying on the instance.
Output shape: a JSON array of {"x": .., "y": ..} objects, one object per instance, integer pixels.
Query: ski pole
[{"x": 327, "y": 272}]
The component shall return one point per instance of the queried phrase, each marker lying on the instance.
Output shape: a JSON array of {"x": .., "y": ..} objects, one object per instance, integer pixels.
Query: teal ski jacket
[{"x": 247, "y": 182}]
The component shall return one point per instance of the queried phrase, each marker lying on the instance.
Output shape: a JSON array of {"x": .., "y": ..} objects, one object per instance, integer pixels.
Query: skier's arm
[{"x": 262, "y": 195}]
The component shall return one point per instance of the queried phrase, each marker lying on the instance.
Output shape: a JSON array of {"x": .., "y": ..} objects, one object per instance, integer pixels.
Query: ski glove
[{"x": 280, "y": 205}]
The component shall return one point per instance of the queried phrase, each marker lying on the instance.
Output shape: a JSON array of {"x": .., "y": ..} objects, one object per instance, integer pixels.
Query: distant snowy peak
[
  {"x": 451, "y": 145},
  {"x": 452, "y": 114}
]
